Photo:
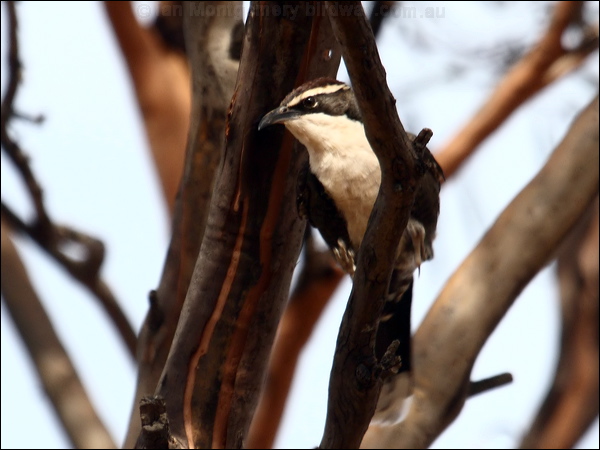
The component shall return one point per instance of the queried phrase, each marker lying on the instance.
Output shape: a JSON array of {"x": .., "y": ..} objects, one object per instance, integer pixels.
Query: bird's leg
[
  {"x": 412, "y": 251},
  {"x": 416, "y": 233},
  {"x": 345, "y": 257}
]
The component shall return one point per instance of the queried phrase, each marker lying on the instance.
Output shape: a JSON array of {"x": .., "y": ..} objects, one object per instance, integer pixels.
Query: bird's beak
[{"x": 278, "y": 115}]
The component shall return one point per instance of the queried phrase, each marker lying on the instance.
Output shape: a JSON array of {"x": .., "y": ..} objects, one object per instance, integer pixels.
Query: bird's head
[{"x": 317, "y": 111}]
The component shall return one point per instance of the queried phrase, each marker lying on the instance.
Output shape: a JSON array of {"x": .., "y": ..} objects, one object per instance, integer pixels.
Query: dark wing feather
[{"x": 320, "y": 209}]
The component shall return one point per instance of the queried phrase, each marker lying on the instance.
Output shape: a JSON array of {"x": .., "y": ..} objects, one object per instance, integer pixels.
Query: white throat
[{"x": 341, "y": 158}]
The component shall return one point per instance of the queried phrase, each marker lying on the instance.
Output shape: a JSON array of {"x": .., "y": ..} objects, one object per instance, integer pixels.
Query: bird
[{"x": 338, "y": 187}]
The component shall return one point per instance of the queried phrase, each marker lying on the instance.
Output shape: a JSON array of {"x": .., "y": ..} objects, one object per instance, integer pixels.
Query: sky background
[{"x": 91, "y": 156}]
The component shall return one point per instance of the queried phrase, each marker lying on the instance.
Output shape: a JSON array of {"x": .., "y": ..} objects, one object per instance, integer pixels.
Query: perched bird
[{"x": 339, "y": 187}]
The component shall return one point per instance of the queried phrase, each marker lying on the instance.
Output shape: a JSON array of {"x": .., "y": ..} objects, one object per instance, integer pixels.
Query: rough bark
[
  {"x": 318, "y": 280},
  {"x": 252, "y": 239},
  {"x": 213, "y": 74},
  {"x": 356, "y": 376}
]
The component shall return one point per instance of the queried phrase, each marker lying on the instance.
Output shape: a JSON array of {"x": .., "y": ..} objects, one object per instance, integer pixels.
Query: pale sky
[{"x": 91, "y": 158}]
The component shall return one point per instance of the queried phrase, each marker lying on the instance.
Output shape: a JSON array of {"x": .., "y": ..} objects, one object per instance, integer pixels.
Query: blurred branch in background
[
  {"x": 572, "y": 401},
  {"x": 185, "y": 133},
  {"x": 160, "y": 75},
  {"x": 54, "y": 368},
  {"x": 379, "y": 11},
  {"x": 515, "y": 248},
  {"x": 79, "y": 254},
  {"x": 548, "y": 61}
]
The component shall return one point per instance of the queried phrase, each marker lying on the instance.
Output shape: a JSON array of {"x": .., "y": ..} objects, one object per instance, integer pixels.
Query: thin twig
[
  {"x": 481, "y": 386},
  {"x": 11, "y": 147},
  {"x": 54, "y": 241}
]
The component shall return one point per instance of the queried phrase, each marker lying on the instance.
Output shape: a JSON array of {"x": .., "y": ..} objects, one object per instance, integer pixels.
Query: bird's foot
[
  {"x": 345, "y": 257},
  {"x": 417, "y": 236}
]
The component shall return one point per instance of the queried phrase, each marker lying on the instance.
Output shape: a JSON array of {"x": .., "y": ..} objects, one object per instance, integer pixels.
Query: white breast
[{"x": 341, "y": 158}]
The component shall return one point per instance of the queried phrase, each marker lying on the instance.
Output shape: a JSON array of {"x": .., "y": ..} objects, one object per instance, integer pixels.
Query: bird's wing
[{"x": 320, "y": 210}]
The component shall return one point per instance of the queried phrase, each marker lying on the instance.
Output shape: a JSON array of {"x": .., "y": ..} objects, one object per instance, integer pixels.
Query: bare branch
[
  {"x": 57, "y": 374},
  {"x": 481, "y": 386},
  {"x": 253, "y": 236},
  {"x": 161, "y": 79},
  {"x": 572, "y": 401},
  {"x": 379, "y": 11},
  {"x": 516, "y": 247},
  {"x": 318, "y": 280},
  {"x": 214, "y": 70},
  {"x": 355, "y": 381},
  {"x": 547, "y": 61},
  {"x": 58, "y": 241},
  {"x": 18, "y": 158},
  {"x": 155, "y": 431}
]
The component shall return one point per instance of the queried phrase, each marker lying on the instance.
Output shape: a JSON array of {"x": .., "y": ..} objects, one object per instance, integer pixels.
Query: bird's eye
[{"x": 309, "y": 102}]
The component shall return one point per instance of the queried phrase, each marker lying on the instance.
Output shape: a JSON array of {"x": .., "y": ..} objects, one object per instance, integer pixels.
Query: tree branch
[
  {"x": 318, "y": 280},
  {"x": 516, "y": 247},
  {"x": 214, "y": 371},
  {"x": 572, "y": 401},
  {"x": 14, "y": 152},
  {"x": 155, "y": 432},
  {"x": 161, "y": 78},
  {"x": 214, "y": 70},
  {"x": 53, "y": 366},
  {"x": 379, "y": 11},
  {"x": 319, "y": 277},
  {"x": 481, "y": 386},
  {"x": 355, "y": 381},
  {"x": 545, "y": 63},
  {"x": 58, "y": 241}
]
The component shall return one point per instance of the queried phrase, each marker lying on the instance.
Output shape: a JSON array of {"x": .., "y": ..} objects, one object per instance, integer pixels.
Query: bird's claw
[
  {"x": 345, "y": 257},
  {"x": 417, "y": 236}
]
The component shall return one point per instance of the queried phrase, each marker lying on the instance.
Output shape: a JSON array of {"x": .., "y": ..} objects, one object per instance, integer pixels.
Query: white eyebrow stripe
[{"x": 329, "y": 89}]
